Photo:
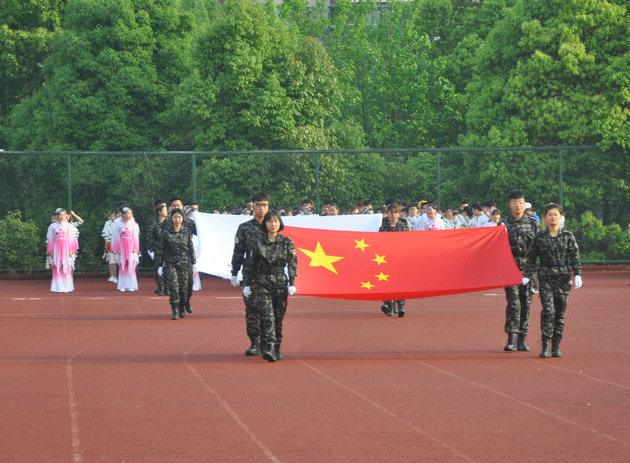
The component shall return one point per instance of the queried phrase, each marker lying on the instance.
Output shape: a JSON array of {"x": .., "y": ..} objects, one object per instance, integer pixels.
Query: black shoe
[
  {"x": 182, "y": 313},
  {"x": 555, "y": 348},
  {"x": 157, "y": 291},
  {"x": 511, "y": 343},
  {"x": 279, "y": 356},
  {"x": 268, "y": 351},
  {"x": 521, "y": 344},
  {"x": 175, "y": 316},
  {"x": 401, "y": 313},
  {"x": 254, "y": 349},
  {"x": 188, "y": 308},
  {"x": 384, "y": 309},
  {"x": 546, "y": 348}
]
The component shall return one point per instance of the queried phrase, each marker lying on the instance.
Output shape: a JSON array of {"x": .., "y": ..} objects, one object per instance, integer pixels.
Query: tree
[
  {"x": 26, "y": 31},
  {"x": 109, "y": 74}
]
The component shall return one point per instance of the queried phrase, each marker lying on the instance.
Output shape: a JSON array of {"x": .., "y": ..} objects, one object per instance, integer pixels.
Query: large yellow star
[
  {"x": 367, "y": 285},
  {"x": 320, "y": 259},
  {"x": 379, "y": 259},
  {"x": 382, "y": 277},
  {"x": 361, "y": 244}
]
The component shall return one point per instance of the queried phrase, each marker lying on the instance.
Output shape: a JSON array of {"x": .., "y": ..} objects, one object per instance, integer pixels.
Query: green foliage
[
  {"x": 108, "y": 75},
  {"x": 20, "y": 245},
  {"x": 603, "y": 242}
]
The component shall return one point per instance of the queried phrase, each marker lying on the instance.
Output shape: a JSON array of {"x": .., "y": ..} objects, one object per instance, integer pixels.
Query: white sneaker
[{"x": 113, "y": 280}]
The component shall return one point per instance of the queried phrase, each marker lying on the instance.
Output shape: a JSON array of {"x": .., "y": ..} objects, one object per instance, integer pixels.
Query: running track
[{"x": 102, "y": 376}]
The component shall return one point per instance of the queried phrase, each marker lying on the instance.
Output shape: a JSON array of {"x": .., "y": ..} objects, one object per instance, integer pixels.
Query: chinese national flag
[{"x": 401, "y": 265}]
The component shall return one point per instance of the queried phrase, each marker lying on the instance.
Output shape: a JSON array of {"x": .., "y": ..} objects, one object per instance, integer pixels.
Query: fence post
[
  {"x": 69, "y": 176},
  {"x": 194, "y": 177},
  {"x": 560, "y": 181},
  {"x": 437, "y": 169},
  {"x": 316, "y": 211}
]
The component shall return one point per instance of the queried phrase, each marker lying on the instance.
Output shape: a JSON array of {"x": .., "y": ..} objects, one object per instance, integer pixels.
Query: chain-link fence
[{"x": 592, "y": 185}]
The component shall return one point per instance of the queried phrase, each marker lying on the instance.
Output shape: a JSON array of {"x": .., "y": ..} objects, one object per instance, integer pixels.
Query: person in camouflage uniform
[
  {"x": 521, "y": 230},
  {"x": 393, "y": 224},
  {"x": 558, "y": 253},
  {"x": 152, "y": 232},
  {"x": 176, "y": 259},
  {"x": 177, "y": 203},
  {"x": 246, "y": 235},
  {"x": 264, "y": 270}
]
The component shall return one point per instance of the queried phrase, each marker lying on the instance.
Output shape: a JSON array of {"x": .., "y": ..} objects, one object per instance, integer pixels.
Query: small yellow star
[
  {"x": 320, "y": 259},
  {"x": 379, "y": 259},
  {"x": 361, "y": 244},
  {"x": 367, "y": 285},
  {"x": 382, "y": 277}
]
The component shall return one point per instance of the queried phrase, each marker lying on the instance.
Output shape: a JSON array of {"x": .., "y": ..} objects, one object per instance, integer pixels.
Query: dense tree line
[{"x": 197, "y": 75}]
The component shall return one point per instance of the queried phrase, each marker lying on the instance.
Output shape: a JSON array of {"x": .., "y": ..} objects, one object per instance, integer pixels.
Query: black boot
[
  {"x": 268, "y": 351},
  {"x": 254, "y": 349},
  {"x": 546, "y": 347},
  {"x": 279, "y": 356},
  {"x": 188, "y": 307},
  {"x": 384, "y": 307},
  {"x": 521, "y": 344},
  {"x": 555, "y": 348},
  {"x": 175, "y": 311},
  {"x": 182, "y": 311},
  {"x": 401, "y": 309},
  {"x": 391, "y": 305},
  {"x": 511, "y": 343}
]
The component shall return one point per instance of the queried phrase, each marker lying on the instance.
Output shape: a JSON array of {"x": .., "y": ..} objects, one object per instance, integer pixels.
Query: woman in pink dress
[
  {"x": 61, "y": 246},
  {"x": 126, "y": 247}
]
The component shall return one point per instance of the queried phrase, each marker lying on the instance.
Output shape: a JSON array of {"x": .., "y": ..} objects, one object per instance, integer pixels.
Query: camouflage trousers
[
  {"x": 178, "y": 279},
  {"x": 252, "y": 315},
  {"x": 272, "y": 303},
  {"x": 519, "y": 298},
  {"x": 554, "y": 294},
  {"x": 159, "y": 280}
]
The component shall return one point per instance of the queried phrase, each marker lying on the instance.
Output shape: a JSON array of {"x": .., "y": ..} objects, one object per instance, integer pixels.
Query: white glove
[
  {"x": 160, "y": 271},
  {"x": 247, "y": 291},
  {"x": 194, "y": 268},
  {"x": 577, "y": 282},
  {"x": 151, "y": 255},
  {"x": 525, "y": 281},
  {"x": 234, "y": 280},
  {"x": 292, "y": 290}
]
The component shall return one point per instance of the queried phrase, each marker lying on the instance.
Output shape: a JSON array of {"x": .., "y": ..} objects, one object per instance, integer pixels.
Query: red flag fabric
[{"x": 401, "y": 265}]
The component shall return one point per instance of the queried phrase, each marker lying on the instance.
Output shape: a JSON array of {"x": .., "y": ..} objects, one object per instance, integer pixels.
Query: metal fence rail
[{"x": 93, "y": 183}]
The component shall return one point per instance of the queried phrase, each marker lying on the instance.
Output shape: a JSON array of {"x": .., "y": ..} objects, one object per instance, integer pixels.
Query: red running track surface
[{"x": 103, "y": 376}]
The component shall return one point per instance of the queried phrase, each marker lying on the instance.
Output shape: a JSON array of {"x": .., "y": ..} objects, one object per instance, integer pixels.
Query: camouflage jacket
[
  {"x": 266, "y": 264},
  {"x": 175, "y": 247},
  {"x": 246, "y": 236},
  {"x": 557, "y": 254},
  {"x": 521, "y": 234},
  {"x": 401, "y": 225},
  {"x": 152, "y": 231}
]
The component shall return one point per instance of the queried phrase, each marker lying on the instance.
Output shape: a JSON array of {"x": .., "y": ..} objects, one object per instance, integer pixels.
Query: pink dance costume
[
  {"x": 126, "y": 247},
  {"x": 61, "y": 245}
]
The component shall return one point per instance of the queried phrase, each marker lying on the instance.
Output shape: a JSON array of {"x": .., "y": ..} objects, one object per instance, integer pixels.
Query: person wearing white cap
[{"x": 531, "y": 213}]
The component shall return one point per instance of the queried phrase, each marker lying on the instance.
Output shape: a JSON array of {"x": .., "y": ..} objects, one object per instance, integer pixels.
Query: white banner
[{"x": 216, "y": 234}]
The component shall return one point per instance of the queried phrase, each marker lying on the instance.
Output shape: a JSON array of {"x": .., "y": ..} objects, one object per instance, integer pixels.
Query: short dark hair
[
  {"x": 177, "y": 211},
  {"x": 267, "y": 217},
  {"x": 476, "y": 207},
  {"x": 158, "y": 207},
  {"x": 394, "y": 206},
  {"x": 260, "y": 196},
  {"x": 158, "y": 201},
  {"x": 175, "y": 198},
  {"x": 550, "y": 206},
  {"x": 516, "y": 194}
]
